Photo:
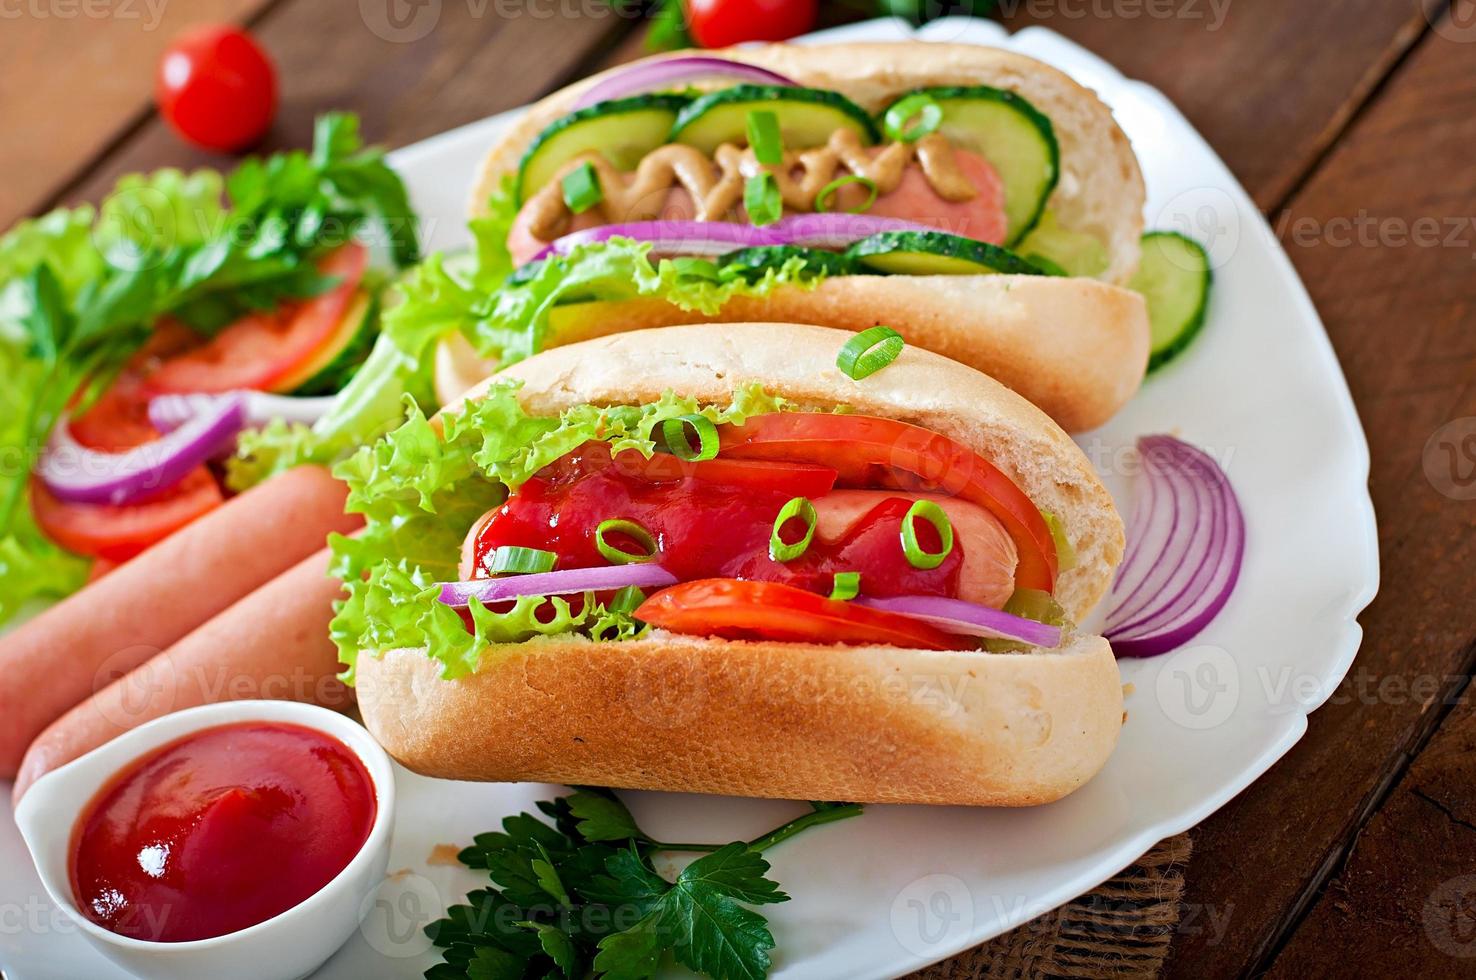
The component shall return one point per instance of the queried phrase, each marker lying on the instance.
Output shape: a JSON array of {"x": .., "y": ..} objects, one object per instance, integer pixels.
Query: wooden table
[{"x": 1352, "y": 123}]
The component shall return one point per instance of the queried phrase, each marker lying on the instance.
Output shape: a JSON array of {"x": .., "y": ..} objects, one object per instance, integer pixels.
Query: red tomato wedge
[
  {"x": 800, "y": 479},
  {"x": 870, "y": 452},
  {"x": 737, "y": 609},
  {"x": 261, "y": 348},
  {"x": 118, "y": 532}
]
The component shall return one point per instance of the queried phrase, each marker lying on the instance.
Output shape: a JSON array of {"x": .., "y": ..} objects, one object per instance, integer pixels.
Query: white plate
[{"x": 904, "y": 886}]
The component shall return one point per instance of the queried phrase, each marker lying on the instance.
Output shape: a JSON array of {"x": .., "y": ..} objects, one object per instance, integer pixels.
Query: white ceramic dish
[
  {"x": 284, "y": 947},
  {"x": 904, "y": 886}
]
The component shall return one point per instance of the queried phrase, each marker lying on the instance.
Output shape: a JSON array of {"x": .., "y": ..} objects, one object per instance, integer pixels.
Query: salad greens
[
  {"x": 582, "y": 897},
  {"x": 420, "y": 494},
  {"x": 502, "y": 319},
  {"x": 81, "y": 289}
]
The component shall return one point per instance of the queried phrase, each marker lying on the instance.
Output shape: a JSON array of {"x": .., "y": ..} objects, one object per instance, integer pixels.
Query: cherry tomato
[
  {"x": 262, "y": 348},
  {"x": 741, "y": 610},
  {"x": 217, "y": 88},
  {"x": 719, "y": 23},
  {"x": 871, "y": 452},
  {"x": 118, "y": 532}
]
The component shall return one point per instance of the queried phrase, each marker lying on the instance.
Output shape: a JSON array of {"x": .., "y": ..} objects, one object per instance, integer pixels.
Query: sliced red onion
[
  {"x": 713, "y": 238},
  {"x": 169, "y": 412},
  {"x": 670, "y": 238},
  {"x": 75, "y": 473},
  {"x": 1187, "y": 541},
  {"x": 672, "y": 73},
  {"x": 837, "y": 229},
  {"x": 969, "y": 618},
  {"x": 563, "y": 582}
]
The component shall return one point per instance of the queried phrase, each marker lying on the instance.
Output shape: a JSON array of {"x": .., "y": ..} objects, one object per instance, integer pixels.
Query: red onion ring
[
  {"x": 75, "y": 473},
  {"x": 1188, "y": 543},
  {"x": 713, "y": 238},
  {"x": 672, "y": 72},
  {"x": 562, "y": 582},
  {"x": 968, "y": 618},
  {"x": 169, "y": 412}
]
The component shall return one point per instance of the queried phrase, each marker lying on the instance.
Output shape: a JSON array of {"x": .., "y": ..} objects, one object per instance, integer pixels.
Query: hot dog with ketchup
[
  {"x": 706, "y": 558},
  {"x": 978, "y": 201}
]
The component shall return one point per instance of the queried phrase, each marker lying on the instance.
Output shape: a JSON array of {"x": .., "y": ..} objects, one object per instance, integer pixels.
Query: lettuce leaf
[{"x": 420, "y": 494}]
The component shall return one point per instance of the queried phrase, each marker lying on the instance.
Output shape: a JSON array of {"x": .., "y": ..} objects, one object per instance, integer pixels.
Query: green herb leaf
[{"x": 602, "y": 817}]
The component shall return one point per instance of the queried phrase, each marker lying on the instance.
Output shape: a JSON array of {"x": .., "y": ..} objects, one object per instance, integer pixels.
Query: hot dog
[
  {"x": 925, "y": 186},
  {"x": 56, "y": 660},
  {"x": 271, "y": 644},
  {"x": 805, "y": 577}
]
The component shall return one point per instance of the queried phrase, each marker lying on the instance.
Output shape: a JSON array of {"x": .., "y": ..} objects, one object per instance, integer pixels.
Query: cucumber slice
[
  {"x": 934, "y": 253},
  {"x": 331, "y": 369},
  {"x": 1174, "y": 277},
  {"x": 1076, "y": 253},
  {"x": 752, "y": 263},
  {"x": 621, "y": 130},
  {"x": 1016, "y": 139},
  {"x": 807, "y": 117}
]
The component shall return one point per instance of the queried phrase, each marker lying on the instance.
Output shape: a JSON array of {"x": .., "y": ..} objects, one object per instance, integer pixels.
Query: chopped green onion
[
  {"x": 1065, "y": 553},
  {"x": 869, "y": 351},
  {"x": 627, "y": 600},
  {"x": 845, "y": 585},
  {"x": 801, "y": 508},
  {"x": 695, "y": 268},
  {"x": 822, "y": 200},
  {"x": 764, "y": 138},
  {"x": 762, "y": 200},
  {"x": 520, "y": 561},
  {"x": 934, "y": 515},
  {"x": 631, "y": 530},
  {"x": 929, "y": 117},
  {"x": 674, "y": 432},
  {"x": 582, "y": 188}
]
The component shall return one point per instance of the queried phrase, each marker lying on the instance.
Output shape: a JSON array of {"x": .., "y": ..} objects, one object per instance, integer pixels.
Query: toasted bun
[
  {"x": 697, "y": 714},
  {"x": 1100, "y": 190},
  {"x": 793, "y": 721}
]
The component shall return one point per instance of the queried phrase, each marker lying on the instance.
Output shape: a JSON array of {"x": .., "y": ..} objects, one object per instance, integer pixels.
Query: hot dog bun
[
  {"x": 869, "y": 723},
  {"x": 1078, "y": 348},
  {"x": 1100, "y": 189}
]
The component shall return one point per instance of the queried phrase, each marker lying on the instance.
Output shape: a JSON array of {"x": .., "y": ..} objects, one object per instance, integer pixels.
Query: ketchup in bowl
[{"x": 220, "y": 830}]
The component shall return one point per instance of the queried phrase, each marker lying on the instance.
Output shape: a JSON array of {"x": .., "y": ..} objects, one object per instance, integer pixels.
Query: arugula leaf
[{"x": 616, "y": 913}]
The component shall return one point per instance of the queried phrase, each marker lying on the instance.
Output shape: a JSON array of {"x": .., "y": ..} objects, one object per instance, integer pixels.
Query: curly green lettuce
[{"x": 420, "y": 493}]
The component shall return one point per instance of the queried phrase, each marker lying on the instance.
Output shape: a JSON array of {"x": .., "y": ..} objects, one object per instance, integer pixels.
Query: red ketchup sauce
[
  {"x": 220, "y": 830},
  {"x": 705, "y": 529}
]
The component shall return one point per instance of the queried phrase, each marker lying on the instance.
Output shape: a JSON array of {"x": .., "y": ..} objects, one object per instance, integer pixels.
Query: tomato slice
[
  {"x": 800, "y": 479},
  {"x": 118, "y": 420},
  {"x": 118, "y": 532},
  {"x": 870, "y": 452},
  {"x": 736, "y": 609},
  {"x": 261, "y": 348}
]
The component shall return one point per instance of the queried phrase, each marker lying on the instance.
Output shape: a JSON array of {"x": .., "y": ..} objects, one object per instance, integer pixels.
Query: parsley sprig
[{"x": 582, "y": 898}]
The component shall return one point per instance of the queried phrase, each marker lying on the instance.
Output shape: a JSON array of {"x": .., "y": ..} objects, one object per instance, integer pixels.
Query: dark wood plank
[
  {"x": 1398, "y": 311},
  {"x": 1406, "y": 903},
  {"x": 405, "y": 87},
  {"x": 76, "y": 78},
  {"x": 1269, "y": 83}
]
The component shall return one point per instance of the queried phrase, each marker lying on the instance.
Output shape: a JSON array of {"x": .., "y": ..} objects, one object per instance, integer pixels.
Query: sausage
[
  {"x": 56, "y": 660},
  {"x": 272, "y": 644}
]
